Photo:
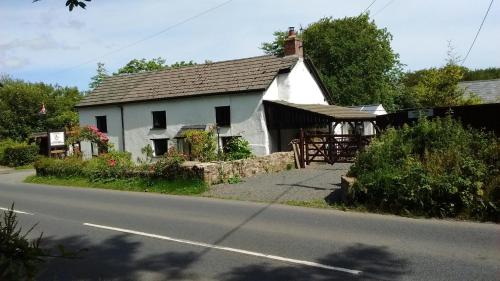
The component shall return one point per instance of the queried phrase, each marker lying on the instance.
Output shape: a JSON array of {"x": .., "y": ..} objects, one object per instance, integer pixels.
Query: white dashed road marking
[
  {"x": 17, "y": 211},
  {"x": 234, "y": 250}
]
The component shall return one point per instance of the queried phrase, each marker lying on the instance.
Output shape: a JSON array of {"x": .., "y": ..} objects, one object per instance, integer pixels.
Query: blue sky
[{"x": 44, "y": 42}]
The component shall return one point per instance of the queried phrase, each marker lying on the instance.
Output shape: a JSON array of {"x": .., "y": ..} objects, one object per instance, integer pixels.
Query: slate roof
[
  {"x": 487, "y": 90},
  {"x": 241, "y": 75},
  {"x": 337, "y": 112}
]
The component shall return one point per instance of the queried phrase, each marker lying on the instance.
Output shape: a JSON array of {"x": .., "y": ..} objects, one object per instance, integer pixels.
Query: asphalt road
[{"x": 140, "y": 236}]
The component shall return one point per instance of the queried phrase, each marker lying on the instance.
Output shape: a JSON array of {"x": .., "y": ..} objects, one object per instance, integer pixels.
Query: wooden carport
[{"x": 319, "y": 146}]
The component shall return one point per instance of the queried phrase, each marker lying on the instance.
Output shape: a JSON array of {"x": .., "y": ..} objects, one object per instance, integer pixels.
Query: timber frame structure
[{"x": 323, "y": 145}]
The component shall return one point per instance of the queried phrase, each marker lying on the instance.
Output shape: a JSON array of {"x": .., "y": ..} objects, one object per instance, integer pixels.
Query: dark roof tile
[{"x": 250, "y": 74}]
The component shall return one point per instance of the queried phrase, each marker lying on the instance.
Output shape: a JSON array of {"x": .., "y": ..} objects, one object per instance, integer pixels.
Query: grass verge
[
  {"x": 322, "y": 204},
  {"x": 178, "y": 187},
  {"x": 25, "y": 167}
]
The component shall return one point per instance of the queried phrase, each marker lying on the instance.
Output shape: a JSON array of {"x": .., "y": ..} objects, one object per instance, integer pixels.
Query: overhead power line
[
  {"x": 168, "y": 28},
  {"x": 383, "y": 8},
  {"x": 477, "y": 33},
  {"x": 369, "y": 6}
]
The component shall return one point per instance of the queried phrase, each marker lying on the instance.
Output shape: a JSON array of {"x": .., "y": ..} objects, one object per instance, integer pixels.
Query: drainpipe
[{"x": 123, "y": 128}]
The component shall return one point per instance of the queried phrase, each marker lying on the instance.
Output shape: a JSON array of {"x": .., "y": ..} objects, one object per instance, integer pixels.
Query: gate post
[{"x": 302, "y": 144}]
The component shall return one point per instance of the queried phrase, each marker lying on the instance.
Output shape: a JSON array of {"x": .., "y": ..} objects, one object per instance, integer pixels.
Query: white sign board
[
  {"x": 414, "y": 114},
  {"x": 56, "y": 138}
]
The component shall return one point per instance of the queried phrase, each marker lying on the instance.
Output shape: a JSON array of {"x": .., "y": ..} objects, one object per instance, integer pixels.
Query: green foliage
[
  {"x": 434, "y": 168},
  {"x": 4, "y": 144},
  {"x": 67, "y": 167},
  {"x": 20, "y": 259},
  {"x": 97, "y": 79},
  {"x": 21, "y": 101},
  {"x": 234, "y": 180},
  {"x": 481, "y": 74},
  {"x": 147, "y": 151},
  {"x": 237, "y": 148},
  {"x": 142, "y": 65},
  {"x": 203, "y": 144},
  {"x": 108, "y": 166},
  {"x": 354, "y": 58},
  {"x": 168, "y": 167},
  {"x": 276, "y": 47},
  {"x": 20, "y": 155},
  {"x": 436, "y": 87}
]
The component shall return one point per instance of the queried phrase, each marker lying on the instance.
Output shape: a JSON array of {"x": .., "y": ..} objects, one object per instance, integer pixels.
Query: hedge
[
  {"x": 20, "y": 155},
  {"x": 435, "y": 168}
]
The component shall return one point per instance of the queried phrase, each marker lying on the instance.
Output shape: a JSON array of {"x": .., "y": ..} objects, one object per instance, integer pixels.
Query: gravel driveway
[{"x": 313, "y": 183}]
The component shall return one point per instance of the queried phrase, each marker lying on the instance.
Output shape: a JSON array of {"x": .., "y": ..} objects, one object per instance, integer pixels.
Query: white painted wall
[
  {"x": 113, "y": 119},
  {"x": 247, "y": 120},
  {"x": 247, "y": 114},
  {"x": 297, "y": 86},
  {"x": 368, "y": 128}
]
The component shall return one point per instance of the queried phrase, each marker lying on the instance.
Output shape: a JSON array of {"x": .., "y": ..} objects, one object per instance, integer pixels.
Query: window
[
  {"x": 160, "y": 146},
  {"x": 223, "y": 116},
  {"x": 159, "y": 120},
  {"x": 101, "y": 123}
]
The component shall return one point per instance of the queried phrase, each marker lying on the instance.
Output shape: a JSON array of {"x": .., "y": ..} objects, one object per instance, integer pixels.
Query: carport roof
[{"x": 337, "y": 113}]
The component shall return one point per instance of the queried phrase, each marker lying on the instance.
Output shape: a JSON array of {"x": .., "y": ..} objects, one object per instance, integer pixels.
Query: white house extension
[{"x": 238, "y": 96}]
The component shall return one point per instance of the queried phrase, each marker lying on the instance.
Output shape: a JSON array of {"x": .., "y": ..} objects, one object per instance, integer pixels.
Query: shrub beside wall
[
  {"x": 434, "y": 168},
  {"x": 20, "y": 155}
]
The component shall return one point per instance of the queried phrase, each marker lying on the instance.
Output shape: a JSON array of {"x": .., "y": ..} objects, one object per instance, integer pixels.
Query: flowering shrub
[
  {"x": 168, "y": 166},
  {"x": 237, "y": 148},
  {"x": 108, "y": 166},
  {"x": 92, "y": 134}
]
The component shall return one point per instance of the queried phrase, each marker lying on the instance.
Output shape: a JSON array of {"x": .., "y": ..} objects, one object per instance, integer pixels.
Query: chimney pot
[{"x": 293, "y": 45}]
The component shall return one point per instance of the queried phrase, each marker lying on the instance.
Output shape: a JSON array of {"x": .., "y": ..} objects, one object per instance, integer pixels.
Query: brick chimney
[{"x": 293, "y": 45}]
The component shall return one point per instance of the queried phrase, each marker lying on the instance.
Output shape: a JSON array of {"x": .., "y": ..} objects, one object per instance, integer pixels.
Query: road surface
[{"x": 141, "y": 236}]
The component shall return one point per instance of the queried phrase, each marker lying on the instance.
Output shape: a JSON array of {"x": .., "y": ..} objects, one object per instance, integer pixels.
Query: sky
[{"x": 44, "y": 42}]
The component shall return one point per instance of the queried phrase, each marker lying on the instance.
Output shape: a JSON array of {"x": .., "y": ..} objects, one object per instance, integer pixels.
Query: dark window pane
[
  {"x": 101, "y": 123},
  {"x": 159, "y": 120},
  {"x": 161, "y": 146},
  {"x": 223, "y": 116}
]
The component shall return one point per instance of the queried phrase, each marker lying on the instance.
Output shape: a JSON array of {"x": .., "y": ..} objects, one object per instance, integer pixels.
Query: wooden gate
[{"x": 330, "y": 148}]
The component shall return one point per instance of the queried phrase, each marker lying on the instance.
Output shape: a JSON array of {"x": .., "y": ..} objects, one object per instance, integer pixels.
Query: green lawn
[{"x": 179, "y": 187}]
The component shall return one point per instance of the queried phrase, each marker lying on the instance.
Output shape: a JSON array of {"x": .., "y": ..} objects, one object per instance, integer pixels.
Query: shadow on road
[{"x": 116, "y": 259}]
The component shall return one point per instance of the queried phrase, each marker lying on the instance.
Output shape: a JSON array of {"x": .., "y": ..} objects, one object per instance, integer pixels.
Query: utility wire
[
  {"x": 148, "y": 37},
  {"x": 383, "y": 8},
  {"x": 477, "y": 33},
  {"x": 369, "y": 6}
]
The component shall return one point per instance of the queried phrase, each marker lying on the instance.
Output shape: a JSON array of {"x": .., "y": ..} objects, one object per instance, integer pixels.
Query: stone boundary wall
[{"x": 219, "y": 172}]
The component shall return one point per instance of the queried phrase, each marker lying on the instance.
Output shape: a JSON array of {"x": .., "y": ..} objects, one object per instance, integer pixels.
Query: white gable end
[{"x": 297, "y": 86}]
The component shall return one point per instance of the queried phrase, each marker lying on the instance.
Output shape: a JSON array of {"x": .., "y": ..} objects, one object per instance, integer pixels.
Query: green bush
[
  {"x": 237, "y": 148},
  {"x": 20, "y": 155},
  {"x": 4, "y": 144},
  {"x": 433, "y": 168},
  {"x": 203, "y": 144},
  {"x": 109, "y": 166},
  {"x": 68, "y": 167},
  {"x": 20, "y": 259},
  {"x": 168, "y": 166}
]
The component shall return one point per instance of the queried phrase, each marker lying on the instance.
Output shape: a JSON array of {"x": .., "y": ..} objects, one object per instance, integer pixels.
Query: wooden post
[{"x": 302, "y": 144}]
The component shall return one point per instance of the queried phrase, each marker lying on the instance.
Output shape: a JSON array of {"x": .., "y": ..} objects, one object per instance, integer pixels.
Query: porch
[{"x": 311, "y": 131}]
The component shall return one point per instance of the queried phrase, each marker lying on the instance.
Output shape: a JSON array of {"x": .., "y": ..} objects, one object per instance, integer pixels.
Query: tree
[
  {"x": 20, "y": 103},
  {"x": 96, "y": 80},
  {"x": 437, "y": 87},
  {"x": 142, "y": 65},
  {"x": 71, "y": 4},
  {"x": 277, "y": 46},
  {"x": 354, "y": 58},
  {"x": 482, "y": 74}
]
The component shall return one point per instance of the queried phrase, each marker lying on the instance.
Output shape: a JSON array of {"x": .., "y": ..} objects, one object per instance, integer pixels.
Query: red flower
[{"x": 112, "y": 162}]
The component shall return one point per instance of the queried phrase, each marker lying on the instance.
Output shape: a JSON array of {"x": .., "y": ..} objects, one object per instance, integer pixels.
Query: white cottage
[{"x": 156, "y": 107}]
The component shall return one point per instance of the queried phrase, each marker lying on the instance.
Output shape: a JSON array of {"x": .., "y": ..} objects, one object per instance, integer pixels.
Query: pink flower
[{"x": 112, "y": 162}]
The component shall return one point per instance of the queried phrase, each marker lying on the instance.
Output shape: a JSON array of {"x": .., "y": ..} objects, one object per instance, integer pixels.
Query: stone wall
[{"x": 218, "y": 172}]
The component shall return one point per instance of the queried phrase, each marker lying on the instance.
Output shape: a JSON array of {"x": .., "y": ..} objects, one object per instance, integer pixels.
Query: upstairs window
[
  {"x": 159, "y": 120},
  {"x": 223, "y": 116},
  {"x": 160, "y": 147},
  {"x": 101, "y": 123}
]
